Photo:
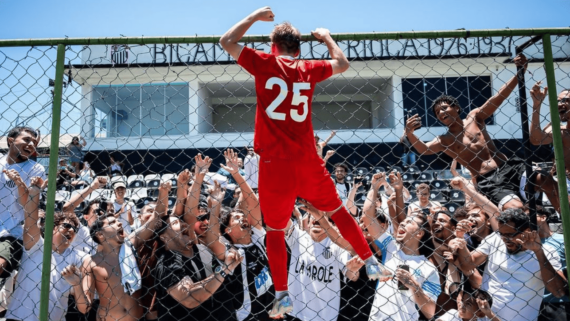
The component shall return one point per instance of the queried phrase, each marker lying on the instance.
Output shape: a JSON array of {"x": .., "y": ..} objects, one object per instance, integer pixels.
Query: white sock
[
  {"x": 371, "y": 260},
  {"x": 280, "y": 294}
]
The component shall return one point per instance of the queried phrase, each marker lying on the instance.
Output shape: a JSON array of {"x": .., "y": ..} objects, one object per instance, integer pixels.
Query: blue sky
[{"x": 104, "y": 18}]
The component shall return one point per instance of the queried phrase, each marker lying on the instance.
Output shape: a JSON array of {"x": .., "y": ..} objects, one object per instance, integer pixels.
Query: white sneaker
[
  {"x": 281, "y": 306},
  {"x": 376, "y": 271}
]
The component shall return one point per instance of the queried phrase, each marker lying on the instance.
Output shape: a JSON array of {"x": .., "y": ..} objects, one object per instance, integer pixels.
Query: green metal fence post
[
  {"x": 52, "y": 173},
  {"x": 557, "y": 139},
  {"x": 305, "y": 37}
]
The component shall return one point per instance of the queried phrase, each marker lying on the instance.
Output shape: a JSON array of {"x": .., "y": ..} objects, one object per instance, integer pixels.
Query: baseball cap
[{"x": 119, "y": 184}]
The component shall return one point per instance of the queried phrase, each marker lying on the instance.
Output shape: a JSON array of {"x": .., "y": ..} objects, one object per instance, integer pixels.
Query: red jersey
[{"x": 284, "y": 87}]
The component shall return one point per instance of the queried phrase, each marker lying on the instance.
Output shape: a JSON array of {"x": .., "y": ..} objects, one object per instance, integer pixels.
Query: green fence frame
[{"x": 61, "y": 43}]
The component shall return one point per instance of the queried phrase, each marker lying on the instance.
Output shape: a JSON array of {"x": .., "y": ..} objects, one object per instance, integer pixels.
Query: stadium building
[{"x": 154, "y": 106}]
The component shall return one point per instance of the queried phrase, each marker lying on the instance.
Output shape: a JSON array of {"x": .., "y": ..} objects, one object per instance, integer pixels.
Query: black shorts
[
  {"x": 550, "y": 311},
  {"x": 503, "y": 181}
]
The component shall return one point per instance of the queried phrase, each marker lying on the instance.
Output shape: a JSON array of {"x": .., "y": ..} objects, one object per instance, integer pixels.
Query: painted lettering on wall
[{"x": 211, "y": 53}]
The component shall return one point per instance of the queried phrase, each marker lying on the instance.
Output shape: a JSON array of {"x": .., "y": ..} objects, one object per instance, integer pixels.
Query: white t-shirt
[
  {"x": 393, "y": 304},
  {"x": 453, "y": 315},
  {"x": 514, "y": 280},
  {"x": 314, "y": 276},
  {"x": 431, "y": 204},
  {"x": 342, "y": 191},
  {"x": 124, "y": 215},
  {"x": 25, "y": 303},
  {"x": 7, "y": 290},
  {"x": 86, "y": 176},
  {"x": 251, "y": 169},
  {"x": 12, "y": 224}
]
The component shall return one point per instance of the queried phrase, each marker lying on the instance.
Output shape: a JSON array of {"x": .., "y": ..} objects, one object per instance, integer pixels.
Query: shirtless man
[
  {"x": 468, "y": 141},
  {"x": 103, "y": 273},
  {"x": 540, "y": 136}
]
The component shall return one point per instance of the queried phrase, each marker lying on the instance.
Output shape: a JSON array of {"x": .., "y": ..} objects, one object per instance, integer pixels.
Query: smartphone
[
  {"x": 412, "y": 111},
  {"x": 357, "y": 179},
  {"x": 401, "y": 285},
  {"x": 426, "y": 211}
]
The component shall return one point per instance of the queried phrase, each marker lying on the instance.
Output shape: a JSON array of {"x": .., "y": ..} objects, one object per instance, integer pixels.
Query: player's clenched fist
[
  {"x": 264, "y": 14},
  {"x": 321, "y": 33}
]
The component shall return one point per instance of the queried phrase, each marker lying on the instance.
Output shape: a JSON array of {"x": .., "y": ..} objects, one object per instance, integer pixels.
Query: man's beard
[{"x": 515, "y": 251}]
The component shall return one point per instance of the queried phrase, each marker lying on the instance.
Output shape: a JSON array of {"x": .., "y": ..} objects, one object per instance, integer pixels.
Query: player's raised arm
[
  {"x": 229, "y": 40},
  {"x": 338, "y": 60}
]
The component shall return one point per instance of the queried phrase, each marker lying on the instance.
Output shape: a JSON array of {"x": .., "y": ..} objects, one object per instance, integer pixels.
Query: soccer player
[
  {"x": 468, "y": 142},
  {"x": 289, "y": 164}
]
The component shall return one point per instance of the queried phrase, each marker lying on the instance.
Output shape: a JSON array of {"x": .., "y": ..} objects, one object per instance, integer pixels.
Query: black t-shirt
[
  {"x": 172, "y": 267},
  {"x": 63, "y": 176},
  {"x": 258, "y": 278},
  {"x": 406, "y": 145}
]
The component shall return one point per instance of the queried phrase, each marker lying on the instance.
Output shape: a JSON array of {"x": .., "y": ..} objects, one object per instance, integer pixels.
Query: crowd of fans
[{"x": 203, "y": 256}]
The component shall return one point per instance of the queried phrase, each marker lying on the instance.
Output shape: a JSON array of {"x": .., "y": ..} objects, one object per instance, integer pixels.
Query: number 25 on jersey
[{"x": 296, "y": 101}]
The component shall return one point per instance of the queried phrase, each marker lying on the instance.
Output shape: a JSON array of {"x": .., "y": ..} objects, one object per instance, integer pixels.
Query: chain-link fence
[{"x": 433, "y": 140}]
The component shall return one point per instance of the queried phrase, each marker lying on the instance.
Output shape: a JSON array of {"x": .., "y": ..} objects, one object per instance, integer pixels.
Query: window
[
  {"x": 342, "y": 115},
  {"x": 153, "y": 110},
  {"x": 419, "y": 93},
  {"x": 240, "y": 118}
]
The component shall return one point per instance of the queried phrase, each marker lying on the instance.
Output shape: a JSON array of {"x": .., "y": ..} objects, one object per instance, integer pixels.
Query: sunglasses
[
  {"x": 69, "y": 226},
  {"x": 202, "y": 218}
]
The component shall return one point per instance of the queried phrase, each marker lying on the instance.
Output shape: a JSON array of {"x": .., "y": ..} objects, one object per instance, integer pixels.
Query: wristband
[{"x": 219, "y": 270}]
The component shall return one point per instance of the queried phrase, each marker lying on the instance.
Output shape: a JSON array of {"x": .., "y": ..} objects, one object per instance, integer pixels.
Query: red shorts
[{"x": 282, "y": 181}]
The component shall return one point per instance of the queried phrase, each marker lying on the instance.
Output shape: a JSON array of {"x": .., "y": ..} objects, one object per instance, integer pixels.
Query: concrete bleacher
[{"x": 140, "y": 190}]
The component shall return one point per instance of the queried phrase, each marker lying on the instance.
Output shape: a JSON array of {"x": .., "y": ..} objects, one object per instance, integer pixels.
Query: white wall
[{"x": 387, "y": 105}]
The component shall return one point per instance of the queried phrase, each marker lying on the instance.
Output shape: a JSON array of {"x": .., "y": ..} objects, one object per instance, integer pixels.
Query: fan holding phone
[{"x": 415, "y": 280}]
